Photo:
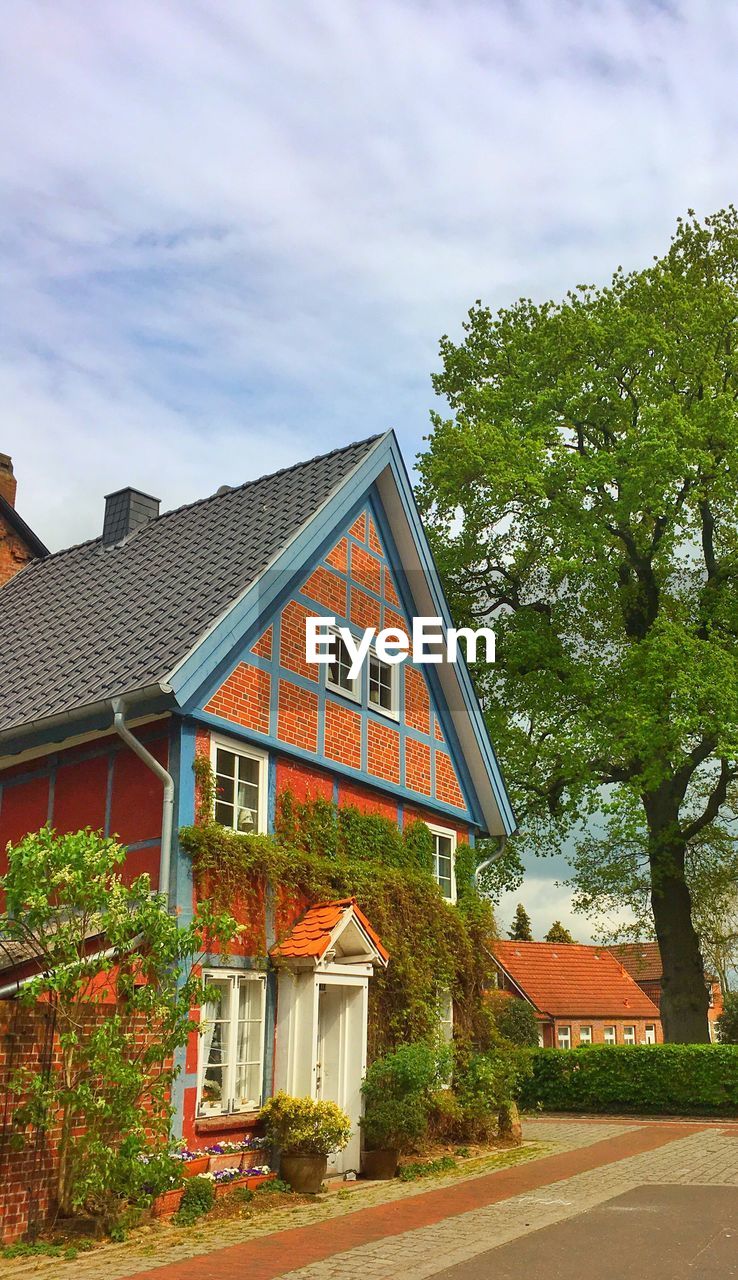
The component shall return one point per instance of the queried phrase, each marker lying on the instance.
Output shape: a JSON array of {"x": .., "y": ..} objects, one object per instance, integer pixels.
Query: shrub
[
  {"x": 398, "y": 1093},
  {"x": 198, "y": 1198},
  {"x": 672, "y": 1079},
  {"x": 484, "y": 1083},
  {"x": 302, "y": 1127},
  {"x": 515, "y": 1019},
  {"x": 727, "y": 1023}
]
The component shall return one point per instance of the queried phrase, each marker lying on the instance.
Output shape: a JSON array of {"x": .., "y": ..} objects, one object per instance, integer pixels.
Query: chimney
[
  {"x": 125, "y": 511},
  {"x": 8, "y": 482}
]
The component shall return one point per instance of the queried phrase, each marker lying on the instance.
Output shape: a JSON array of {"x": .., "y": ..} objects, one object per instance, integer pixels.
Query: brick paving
[{"x": 384, "y": 1230}]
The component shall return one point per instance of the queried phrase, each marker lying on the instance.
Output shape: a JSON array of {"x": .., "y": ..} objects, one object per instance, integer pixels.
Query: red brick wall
[
  {"x": 598, "y": 1029},
  {"x": 14, "y": 553}
]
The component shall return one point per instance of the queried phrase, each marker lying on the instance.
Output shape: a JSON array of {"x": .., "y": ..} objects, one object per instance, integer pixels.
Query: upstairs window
[
  {"x": 382, "y": 686},
  {"x": 337, "y": 676},
  {"x": 231, "y": 1057},
  {"x": 240, "y": 788},
  {"x": 444, "y": 855}
]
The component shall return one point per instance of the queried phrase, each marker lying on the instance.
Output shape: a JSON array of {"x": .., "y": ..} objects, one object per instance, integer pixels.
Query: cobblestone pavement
[{"x": 453, "y": 1218}]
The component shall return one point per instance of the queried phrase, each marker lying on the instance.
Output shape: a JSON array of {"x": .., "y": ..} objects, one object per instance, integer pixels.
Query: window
[
  {"x": 610, "y": 1035},
  {"x": 337, "y": 671},
  {"x": 650, "y": 1033},
  {"x": 382, "y": 685},
  {"x": 446, "y": 1015},
  {"x": 444, "y": 853},
  {"x": 629, "y": 1035},
  {"x": 240, "y": 788},
  {"x": 585, "y": 1035},
  {"x": 563, "y": 1037},
  {"x": 231, "y": 1058}
]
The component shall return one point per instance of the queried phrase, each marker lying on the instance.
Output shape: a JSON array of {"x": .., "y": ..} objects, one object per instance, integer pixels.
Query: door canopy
[{"x": 331, "y": 933}]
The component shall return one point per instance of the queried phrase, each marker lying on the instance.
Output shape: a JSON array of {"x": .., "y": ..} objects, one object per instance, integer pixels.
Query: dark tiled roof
[
  {"x": 91, "y": 622},
  {"x": 641, "y": 959},
  {"x": 573, "y": 980}
]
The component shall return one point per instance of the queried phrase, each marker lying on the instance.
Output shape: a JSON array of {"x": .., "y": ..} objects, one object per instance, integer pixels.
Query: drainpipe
[
  {"x": 488, "y": 861},
  {"x": 167, "y": 813}
]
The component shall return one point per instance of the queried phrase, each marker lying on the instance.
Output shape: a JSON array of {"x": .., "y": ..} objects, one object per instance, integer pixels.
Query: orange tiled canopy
[{"x": 311, "y": 937}]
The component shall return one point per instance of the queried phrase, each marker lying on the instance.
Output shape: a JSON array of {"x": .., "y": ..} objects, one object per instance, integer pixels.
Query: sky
[{"x": 232, "y": 234}]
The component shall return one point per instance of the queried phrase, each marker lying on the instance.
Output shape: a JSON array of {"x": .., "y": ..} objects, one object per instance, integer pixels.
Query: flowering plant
[
  {"x": 230, "y": 1175},
  {"x": 231, "y": 1148},
  {"x": 184, "y": 1153}
]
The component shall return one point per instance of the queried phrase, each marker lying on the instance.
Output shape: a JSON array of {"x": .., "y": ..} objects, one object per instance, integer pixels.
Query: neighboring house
[
  {"x": 581, "y": 995},
  {"x": 184, "y": 633},
  {"x": 18, "y": 544},
  {"x": 643, "y": 962}
]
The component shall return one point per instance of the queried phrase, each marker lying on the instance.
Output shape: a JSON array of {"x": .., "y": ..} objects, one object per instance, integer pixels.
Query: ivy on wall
[{"x": 320, "y": 851}]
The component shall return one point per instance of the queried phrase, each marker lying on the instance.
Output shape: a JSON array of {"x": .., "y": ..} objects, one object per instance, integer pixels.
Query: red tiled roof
[
  {"x": 311, "y": 936},
  {"x": 641, "y": 959},
  {"x": 572, "y": 980}
]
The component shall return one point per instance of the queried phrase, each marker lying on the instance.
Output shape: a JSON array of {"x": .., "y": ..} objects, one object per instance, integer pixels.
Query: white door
[{"x": 341, "y": 1058}]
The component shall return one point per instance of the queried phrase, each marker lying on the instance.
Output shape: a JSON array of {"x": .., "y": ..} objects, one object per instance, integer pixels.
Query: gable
[{"x": 284, "y": 701}]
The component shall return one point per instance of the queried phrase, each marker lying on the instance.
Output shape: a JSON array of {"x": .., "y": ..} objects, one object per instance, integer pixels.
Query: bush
[
  {"x": 674, "y": 1079},
  {"x": 198, "y": 1198},
  {"x": 398, "y": 1093},
  {"x": 484, "y": 1083},
  {"x": 515, "y": 1020},
  {"x": 727, "y": 1023},
  {"x": 302, "y": 1127}
]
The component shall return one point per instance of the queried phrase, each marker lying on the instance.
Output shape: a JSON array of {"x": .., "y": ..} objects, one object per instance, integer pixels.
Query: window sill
[{"x": 234, "y": 1120}]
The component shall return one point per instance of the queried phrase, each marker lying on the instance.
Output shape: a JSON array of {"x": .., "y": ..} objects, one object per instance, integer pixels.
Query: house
[
  {"x": 581, "y": 994},
  {"x": 643, "y": 962},
  {"x": 18, "y": 543},
  {"x": 180, "y": 635}
]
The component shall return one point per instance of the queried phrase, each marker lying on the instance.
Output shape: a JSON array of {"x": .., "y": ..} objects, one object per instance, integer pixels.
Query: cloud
[{"x": 232, "y": 235}]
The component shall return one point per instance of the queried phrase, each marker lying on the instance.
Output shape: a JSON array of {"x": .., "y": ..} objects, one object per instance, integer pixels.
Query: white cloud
[{"x": 232, "y": 235}]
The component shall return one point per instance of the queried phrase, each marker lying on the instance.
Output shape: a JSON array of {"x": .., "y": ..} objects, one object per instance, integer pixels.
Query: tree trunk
[{"x": 684, "y": 995}]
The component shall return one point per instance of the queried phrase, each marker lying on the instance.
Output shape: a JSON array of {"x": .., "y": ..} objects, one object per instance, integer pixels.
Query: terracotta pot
[
  {"x": 229, "y": 1160},
  {"x": 380, "y": 1164},
  {"x": 168, "y": 1203},
  {"x": 191, "y": 1168},
  {"x": 222, "y": 1189},
  {"x": 304, "y": 1173}
]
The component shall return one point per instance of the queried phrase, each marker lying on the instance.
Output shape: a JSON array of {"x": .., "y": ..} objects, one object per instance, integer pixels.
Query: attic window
[
  {"x": 338, "y": 677},
  {"x": 382, "y": 686}
]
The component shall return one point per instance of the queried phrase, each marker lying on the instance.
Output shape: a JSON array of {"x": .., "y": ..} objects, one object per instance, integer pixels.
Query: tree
[
  {"x": 727, "y": 1023},
  {"x": 558, "y": 933},
  {"x": 521, "y": 929},
  {"x": 116, "y": 971},
  {"x": 515, "y": 1019},
  {"x": 583, "y": 495}
]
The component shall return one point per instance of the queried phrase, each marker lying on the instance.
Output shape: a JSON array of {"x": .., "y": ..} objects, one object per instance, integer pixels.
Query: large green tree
[{"x": 584, "y": 493}]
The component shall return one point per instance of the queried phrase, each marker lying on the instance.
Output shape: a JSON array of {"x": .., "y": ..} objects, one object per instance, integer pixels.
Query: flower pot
[
  {"x": 168, "y": 1203},
  {"x": 380, "y": 1164},
  {"x": 304, "y": 1173},
  {"x": 191, "y": 1168},
  {"x": 222, "y": 1189},
  {"x": 257, "y": 1179},
  {"x": 228, "y": 1160}
]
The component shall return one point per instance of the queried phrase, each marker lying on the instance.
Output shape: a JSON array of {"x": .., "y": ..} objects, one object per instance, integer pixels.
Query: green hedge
[{"x": 674, "y": 1079}]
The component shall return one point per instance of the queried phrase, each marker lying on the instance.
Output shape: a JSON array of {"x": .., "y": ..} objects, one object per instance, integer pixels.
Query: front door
[{"x": 341, "y": 1058}]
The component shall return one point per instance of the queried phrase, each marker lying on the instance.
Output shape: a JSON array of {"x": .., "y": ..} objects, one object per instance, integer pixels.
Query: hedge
[{"x": 674, "y": 1079}]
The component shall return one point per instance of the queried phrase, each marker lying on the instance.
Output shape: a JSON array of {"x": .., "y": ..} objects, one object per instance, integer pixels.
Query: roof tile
[{"x": 573, "y": 980}]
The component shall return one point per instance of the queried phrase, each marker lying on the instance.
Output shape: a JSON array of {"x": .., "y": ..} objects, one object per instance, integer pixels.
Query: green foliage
[
  {"x": 398, "y": 1093},
  {"x": 320, "y": 852},
  {"x": 109, "y": 1088},
  {"x": 416, "y": 1169},
  {"x": 521, "y": 927},
  {"x": 483, "y": 1083},
  {"x": 198, "y": 1198},
  {"x": 303, "y": 1127},
  {"x": 583, "y": 495},
  {"x": 668, "y": 1079},
  {"x": 727, "y": 1023},
  {"x": 275, "y": 1186},
  {"x": 515, "y": 1020},
  {"x": 558, "y": 933},
  {"x": 39, "y": 1249}
]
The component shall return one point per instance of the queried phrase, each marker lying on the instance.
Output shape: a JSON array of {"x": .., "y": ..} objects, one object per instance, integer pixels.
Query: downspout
[
  {"x": 488, "y": 861},
  {"x": 167, "y": 812}
]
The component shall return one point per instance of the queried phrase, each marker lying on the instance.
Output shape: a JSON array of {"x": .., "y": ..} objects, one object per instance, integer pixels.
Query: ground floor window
[
  {"x": 650, "y": 1033},
  {"x": 611, "y": 1035},
  {"x": 563, "y": 1037},
  {"x": 629, "y": 1035},
  {"x": 231, "y": 1058},
  {"x": 585, "y": 1035}
]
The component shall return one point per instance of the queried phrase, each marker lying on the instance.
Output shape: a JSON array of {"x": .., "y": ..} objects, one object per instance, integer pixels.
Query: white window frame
[
  {"x": 629, "y": 1033},
  {"x": 393, "y": 711},
  {"x": 448, "y": 833},
  {"x": 613, "y": 1039},
  {"x": 249, "y": 753},
  {"x": 587, "y": 1026},
  {"x": 563, "y": 1027},
  {"x": 228, "y": 1104},
  {"x": 354, "y": 693},
  {"x": 649, "y": 1033}
]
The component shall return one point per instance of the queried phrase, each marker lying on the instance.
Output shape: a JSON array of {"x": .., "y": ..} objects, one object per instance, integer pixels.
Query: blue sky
[{"x": 232, "y": 234}]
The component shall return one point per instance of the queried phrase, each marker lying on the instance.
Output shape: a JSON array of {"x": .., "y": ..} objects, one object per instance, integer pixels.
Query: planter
[
  {"x": 250, "y": 1184},
  {"x": 228, "y": 1160},
  {"x": 304, "y": 1173},
  {"x": 168, "y": 1203},
  {"x": 191, "y": 1168},
  {"x": 380, "y": 1164}
]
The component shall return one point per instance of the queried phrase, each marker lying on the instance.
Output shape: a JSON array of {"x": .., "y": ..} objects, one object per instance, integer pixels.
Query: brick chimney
[{"x": 8, "y": 482}]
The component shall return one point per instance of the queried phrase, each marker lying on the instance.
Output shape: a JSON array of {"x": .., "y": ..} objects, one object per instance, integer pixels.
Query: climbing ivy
[{"x": 319, "y": 851}]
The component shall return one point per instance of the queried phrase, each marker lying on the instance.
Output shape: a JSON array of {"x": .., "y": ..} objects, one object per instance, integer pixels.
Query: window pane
[
  {"x": 248, "y": 770},
  {"x": 248, "y": 1086},
  {"x": 225, "y": 762},
  {"x": 215, "y": 1024},
  {"x": 338, "y": 669},
  {"x": 224, "y": 814},
  {"x": 250, "y": 998},
  {"x": 444, "y": 863},
  {"x": 380, "y": 683},
  {"x": 224, "y": 789}
]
